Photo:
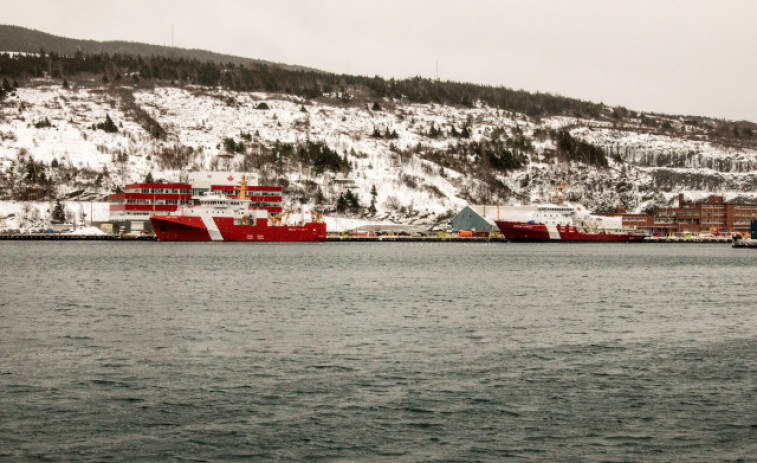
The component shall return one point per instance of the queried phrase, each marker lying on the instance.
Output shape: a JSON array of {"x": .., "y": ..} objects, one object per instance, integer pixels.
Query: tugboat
[{"x": 221, "y": 218}]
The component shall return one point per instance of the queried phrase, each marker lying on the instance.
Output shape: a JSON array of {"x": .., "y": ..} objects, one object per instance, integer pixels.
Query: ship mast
[
  {"x": 558, "y": 194},
  {"x": 242, "y": 188}
]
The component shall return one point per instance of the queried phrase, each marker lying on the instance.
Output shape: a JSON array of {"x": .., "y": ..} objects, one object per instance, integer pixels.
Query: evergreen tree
[
  {"x": 341, "y": 203},
  {"x": 352, "y": 201},
  {"x": 149, "y": 179},
  {"x": 58, "y": 215},
  {"x": 108, "y": 126},
  {"x": 434, "y": 132},
  {"x": 229, "y": 145},
  {"x": 372, "y": 207},
  {"x": 44, "y": 123}
]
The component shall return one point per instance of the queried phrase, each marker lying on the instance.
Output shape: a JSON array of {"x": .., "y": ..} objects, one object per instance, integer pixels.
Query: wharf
[
  {"x": 416, "y": 239},
  {"x": 685, "y": 240},
  {"x": 365, "y": 239},
  {"x": 67, "y": 237}
]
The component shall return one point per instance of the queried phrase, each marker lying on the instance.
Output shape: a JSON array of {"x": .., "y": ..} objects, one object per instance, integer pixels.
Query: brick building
[{"x": 714, "y": 215}]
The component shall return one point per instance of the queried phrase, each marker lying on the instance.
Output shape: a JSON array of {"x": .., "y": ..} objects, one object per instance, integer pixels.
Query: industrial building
[
  {"x": 475, "y": 218},
  {"x": 481, "y": 218},
  {"x": 714, "y": 215}
]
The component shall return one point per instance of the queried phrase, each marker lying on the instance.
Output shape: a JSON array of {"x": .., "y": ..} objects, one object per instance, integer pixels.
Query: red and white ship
[
  {"x": 562, "y": 222},
  {"x": 223, "y": 218}
]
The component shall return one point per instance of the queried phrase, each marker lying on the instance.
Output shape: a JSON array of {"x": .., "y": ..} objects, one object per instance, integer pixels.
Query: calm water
[{"x": 377, "y": 352}]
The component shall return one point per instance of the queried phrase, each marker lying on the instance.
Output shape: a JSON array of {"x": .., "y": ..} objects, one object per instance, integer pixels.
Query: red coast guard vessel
[
  {"x": 549, "y": 230},
  {"x": 220, "y": 218},
  {"x": 562, "y": 222}
]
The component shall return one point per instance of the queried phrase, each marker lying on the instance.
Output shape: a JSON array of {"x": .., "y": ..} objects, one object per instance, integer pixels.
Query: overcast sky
[{"x": 691, "y": 57}]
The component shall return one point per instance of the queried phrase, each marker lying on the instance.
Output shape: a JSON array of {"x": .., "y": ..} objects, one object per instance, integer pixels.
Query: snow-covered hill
[{"x": 424, "y": 162}]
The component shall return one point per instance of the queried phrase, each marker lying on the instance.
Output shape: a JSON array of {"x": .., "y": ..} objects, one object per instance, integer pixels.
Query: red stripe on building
[
  {"x": 249, "y": 188},
  {"x": 150, "y": 196},
  {"x": 144, "y": 207},
  {"x": 173, "y": 186},
  {"x": 260, "y": 199}
]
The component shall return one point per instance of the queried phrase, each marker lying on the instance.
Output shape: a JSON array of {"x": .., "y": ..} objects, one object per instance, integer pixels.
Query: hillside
[
  {"x": 414, "y": 157},
  {"x": 21, "y": 39},
  {"x": 418, "y": 156}
]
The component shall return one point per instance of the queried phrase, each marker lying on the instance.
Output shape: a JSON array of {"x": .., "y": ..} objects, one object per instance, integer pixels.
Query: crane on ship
[
  {"x": 317, "y": 216},
  {"x": 280, "y": 219}
]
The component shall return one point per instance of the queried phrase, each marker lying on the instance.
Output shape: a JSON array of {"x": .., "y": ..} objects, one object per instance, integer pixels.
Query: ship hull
[
  {"x": 529, "y": 231},
  {"x": 194, "y": 228}
]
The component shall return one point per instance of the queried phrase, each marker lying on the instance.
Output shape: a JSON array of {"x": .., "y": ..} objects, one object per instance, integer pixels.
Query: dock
[
  {"x": 745, "y": 243},
  {"x": 417, "y": 239},
  {"x": 68, "y": 237},
  {"x": 338, "y": 238},
  {"x": 690, "y": 239}
]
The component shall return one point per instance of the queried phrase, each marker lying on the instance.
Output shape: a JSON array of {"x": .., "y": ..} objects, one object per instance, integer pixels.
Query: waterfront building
[
  {"x": 130, "y": 209},
  {"x": 713, "y": 215},
  {"x": 476, "y": 218}
]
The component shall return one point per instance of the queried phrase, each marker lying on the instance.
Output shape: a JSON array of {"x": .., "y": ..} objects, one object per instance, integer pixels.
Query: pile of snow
[
  {"x": 86, "y": 231},
  {"x": 344, "y": 224},
  {"x": 37, "y": 214}
]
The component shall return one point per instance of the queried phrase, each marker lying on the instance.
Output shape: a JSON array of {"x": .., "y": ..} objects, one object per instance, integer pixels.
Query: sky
[{"x": 689, "y": 57}]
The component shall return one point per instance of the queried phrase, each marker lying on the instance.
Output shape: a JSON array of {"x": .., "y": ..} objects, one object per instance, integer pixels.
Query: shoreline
[{"x": 346, "y": 239}]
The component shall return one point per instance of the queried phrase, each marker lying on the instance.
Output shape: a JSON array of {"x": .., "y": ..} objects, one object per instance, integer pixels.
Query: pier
[
  {"x": 339, "y": 238},
  {"x": 68, "y": 237},
  {"x": 416, "y": 239},
  {"x": 745, "y": 243}
]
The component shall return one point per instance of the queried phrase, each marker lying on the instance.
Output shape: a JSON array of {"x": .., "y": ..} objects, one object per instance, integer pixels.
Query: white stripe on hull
[
  {"x": 212, "y": 227},
  {"x": 553, "y": 233}
]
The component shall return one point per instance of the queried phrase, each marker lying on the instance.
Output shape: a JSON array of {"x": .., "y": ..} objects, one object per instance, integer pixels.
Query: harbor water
[{"x": 377, "y": 352}]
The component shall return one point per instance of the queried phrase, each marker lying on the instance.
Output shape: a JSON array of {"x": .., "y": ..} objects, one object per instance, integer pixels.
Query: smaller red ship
[
  {"x": 563, "y": 222},
  {"x": 533, "y": 231}
]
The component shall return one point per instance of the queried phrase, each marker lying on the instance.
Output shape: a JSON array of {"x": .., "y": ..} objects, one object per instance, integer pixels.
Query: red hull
[
  {"x": 192, "y": 228},
  {"x": 528, "y": 231}
]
